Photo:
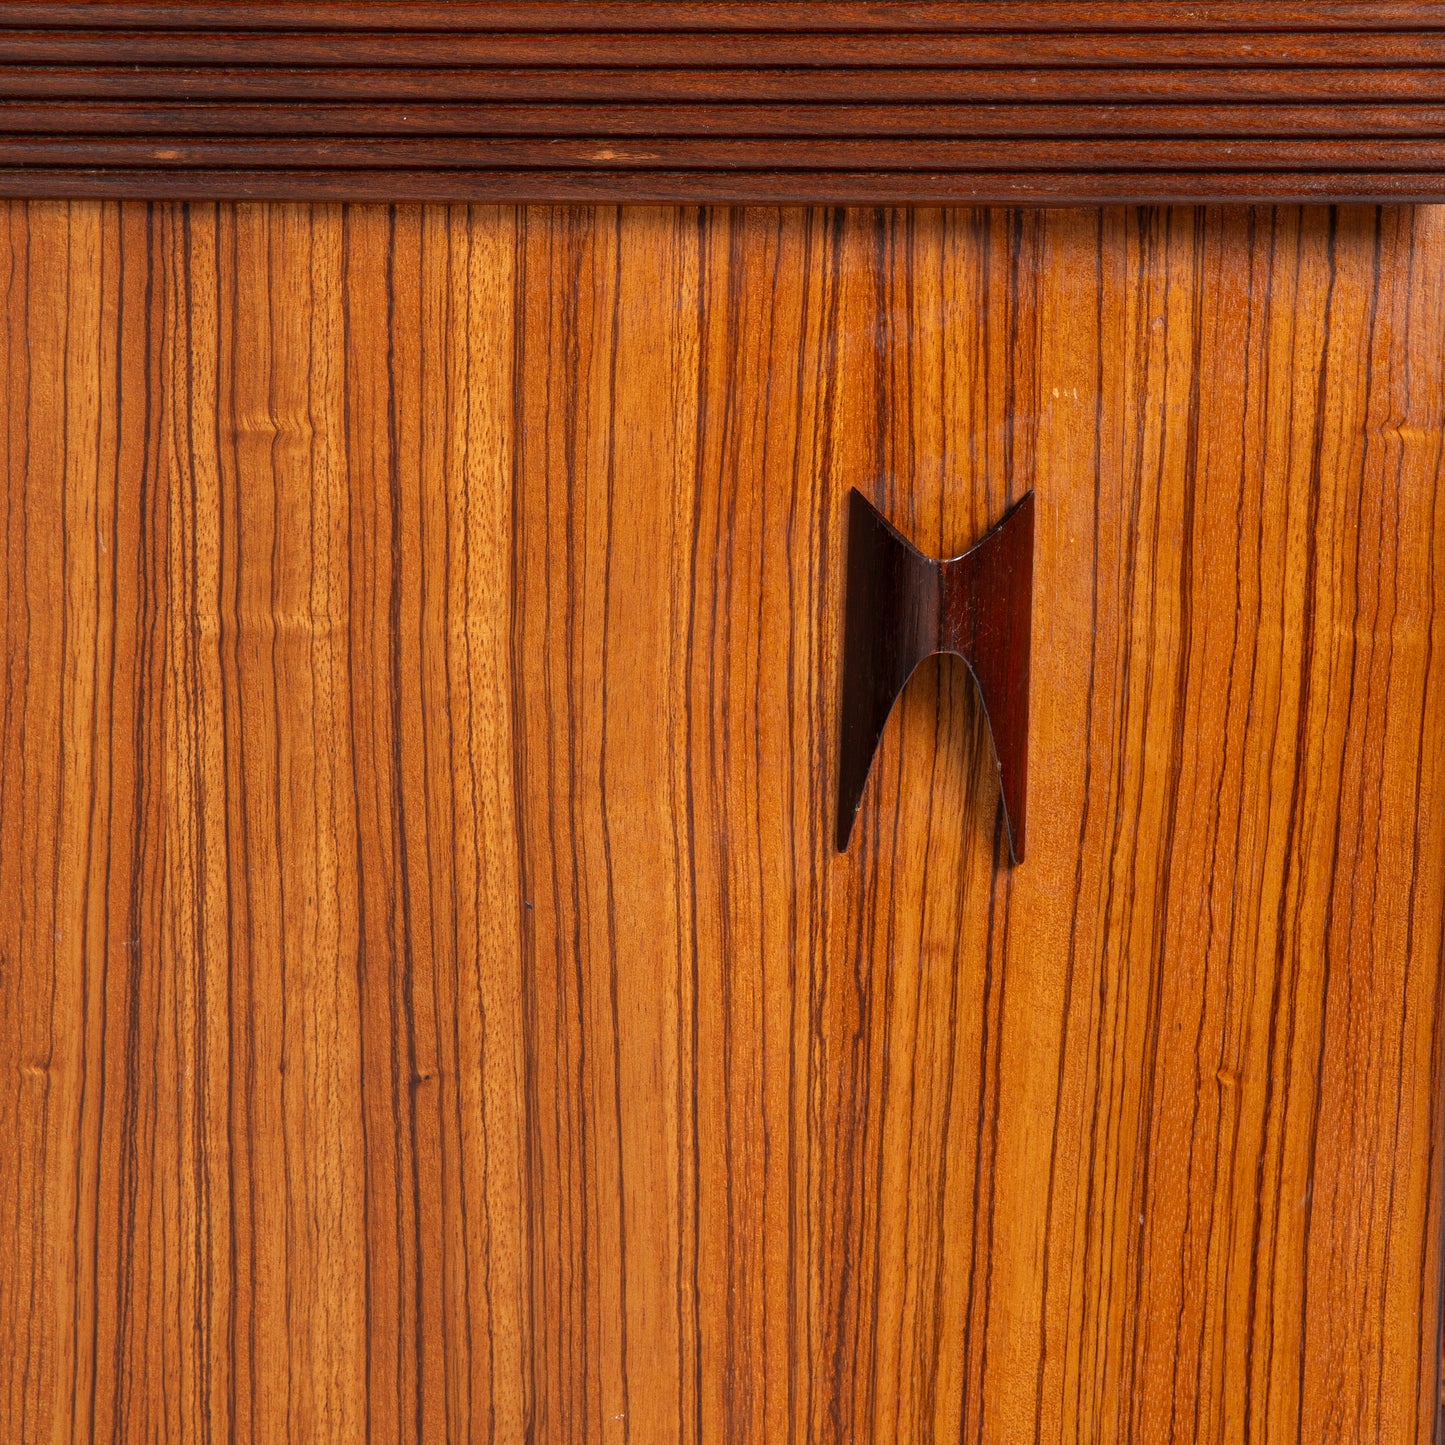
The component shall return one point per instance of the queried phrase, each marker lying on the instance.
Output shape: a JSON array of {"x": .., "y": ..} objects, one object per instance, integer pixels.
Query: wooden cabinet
[
  {"x": 433, "y": 1004},
  {"x": 433, "y": 994}
]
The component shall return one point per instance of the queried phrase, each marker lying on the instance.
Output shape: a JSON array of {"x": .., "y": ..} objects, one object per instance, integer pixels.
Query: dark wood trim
[
  {"x": 902, "y": 607},
  {"x": 862, "y": 103},
  {"x": 730, "y": 16}
]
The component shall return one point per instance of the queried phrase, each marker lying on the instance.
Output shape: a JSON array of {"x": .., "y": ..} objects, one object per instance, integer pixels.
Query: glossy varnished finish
[
  {"x": 778, "y": 102},
  {"x": 431, "y": 1004}
]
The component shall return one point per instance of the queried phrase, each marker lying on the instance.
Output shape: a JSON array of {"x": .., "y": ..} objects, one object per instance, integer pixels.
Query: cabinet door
[{"x": 432, "y": 1005}]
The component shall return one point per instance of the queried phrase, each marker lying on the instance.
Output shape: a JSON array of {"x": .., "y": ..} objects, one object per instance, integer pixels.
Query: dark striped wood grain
[
  {"x": 840, "y": 103},
  {"x": 431, "y": 1006}
]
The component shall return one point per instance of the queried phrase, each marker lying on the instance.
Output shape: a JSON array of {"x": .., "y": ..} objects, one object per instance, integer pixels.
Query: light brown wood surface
[{"x": 430, "y": 1005}]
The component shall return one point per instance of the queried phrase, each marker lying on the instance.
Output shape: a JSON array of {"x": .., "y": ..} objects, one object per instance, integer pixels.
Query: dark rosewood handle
[{"x": 903, "y": 607}]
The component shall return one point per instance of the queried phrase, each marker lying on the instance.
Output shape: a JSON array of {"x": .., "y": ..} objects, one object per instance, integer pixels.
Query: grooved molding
[{"x": 844, "y": 103}]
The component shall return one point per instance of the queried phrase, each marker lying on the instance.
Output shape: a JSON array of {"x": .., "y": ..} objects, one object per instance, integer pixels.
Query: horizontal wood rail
[{"x": 771, "y": 102}]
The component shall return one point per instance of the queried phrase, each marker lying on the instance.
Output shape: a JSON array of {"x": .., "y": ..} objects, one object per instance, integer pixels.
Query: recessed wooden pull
[{"x": 903, "y": 607}]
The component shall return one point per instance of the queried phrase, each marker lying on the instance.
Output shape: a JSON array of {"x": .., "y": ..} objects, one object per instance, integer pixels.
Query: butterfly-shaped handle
[{"x": 903, "y": 607}]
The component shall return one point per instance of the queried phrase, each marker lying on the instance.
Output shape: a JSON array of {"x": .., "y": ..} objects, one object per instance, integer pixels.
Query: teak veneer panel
[{"x": 431, "y": 1006}]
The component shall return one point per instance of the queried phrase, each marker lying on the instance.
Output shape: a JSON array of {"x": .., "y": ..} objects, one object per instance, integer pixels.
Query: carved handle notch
[{"x": 903, "y": 607}]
